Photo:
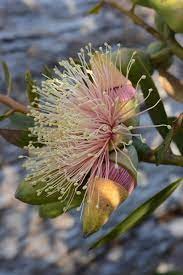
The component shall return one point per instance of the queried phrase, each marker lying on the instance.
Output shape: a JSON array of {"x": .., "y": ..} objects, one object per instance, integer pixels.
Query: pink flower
[{"x": 82, "y": 120}]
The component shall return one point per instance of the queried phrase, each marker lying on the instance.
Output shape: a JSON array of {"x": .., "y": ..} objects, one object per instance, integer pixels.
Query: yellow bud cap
[{"x": 105, "y": 196}]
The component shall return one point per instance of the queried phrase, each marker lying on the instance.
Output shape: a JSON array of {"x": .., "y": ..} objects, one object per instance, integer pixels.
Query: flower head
[{"x": 81, "y": 119}]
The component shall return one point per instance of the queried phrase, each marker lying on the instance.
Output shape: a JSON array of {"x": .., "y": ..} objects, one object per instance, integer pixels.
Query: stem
[
  {"x": 171, "y": 42},
  {"x": 136, "y": 19},
  {"x": 170, "y": 159},
  {"x": 16, "y": 106},
  {"x": 162, "y": 154}
]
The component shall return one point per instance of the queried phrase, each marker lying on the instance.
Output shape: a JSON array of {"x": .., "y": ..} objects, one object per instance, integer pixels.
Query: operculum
[{"x": 105, "y": 195}]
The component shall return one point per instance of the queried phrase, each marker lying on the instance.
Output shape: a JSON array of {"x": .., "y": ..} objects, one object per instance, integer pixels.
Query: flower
[{"x": 82, "y": 120}]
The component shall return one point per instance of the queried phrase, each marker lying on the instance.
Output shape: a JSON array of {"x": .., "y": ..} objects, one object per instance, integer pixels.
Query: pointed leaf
[
  {"x": 139, "y": 68},
  {"x": 139, "y": 214},
  {"x": 16, "y": 137},
  {"x": 7, "y": 77},
  {"x": 29, "y": 193},
  {"x": 55, "y": 209},
  {"x": 30, "y": 83},
  {"x": 17, "y": 131}
]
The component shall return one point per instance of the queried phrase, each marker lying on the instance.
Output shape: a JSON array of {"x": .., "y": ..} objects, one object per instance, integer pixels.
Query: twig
[
  {"x": 162, "y": 154},
  {"x": 170, "y": 159},
  {"x": 16, "y": 106},
  {"x": 136, "y": 19},
  {"x": 171, "y": 42}
]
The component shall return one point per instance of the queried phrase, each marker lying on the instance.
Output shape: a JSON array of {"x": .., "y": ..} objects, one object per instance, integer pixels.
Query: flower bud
[{"x": 106, "y": 194}]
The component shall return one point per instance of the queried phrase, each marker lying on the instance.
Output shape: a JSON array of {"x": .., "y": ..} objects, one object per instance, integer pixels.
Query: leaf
[
  {"x": 17, "y": 132},
  {"x": 160, "y": 116},
  {"x": 160, "y": 55},
  {"x": 55, "y": 209},
  {"x": 21, "y": 121},
  {"x": 96, "y": 8},
  {"x": 7, "y": 77},
  {"x": 16, "y": 137},
  {"x": 139, "y": 68},
  {"x": 139, "y": 214},
  {"x": 30, "y": 83},
  {"x": 162, "y": 27},
  {"x": 29, "y": 193}
]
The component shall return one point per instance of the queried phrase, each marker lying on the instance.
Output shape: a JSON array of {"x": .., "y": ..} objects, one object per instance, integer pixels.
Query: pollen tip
[{"x": 169, "y": 127}]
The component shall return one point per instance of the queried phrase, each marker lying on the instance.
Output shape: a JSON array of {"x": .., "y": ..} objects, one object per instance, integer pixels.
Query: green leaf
[
  {"x": 21, "y": 121},
  {"x": 30, "y": 83},
  {"x": 29, "y": 193},
  {"x": 160, "y": 55},
  {"x": 16, "y": 137},
  {"x": 17, "y": 132},
  {"x": 96, "y": 8},
  {"x": 139, "y": 68},
  {"x": 162, "y": 27},
  {"x": 7, "y": 77},
  {"x": 55, "y": 209},
  {"x": 139, "y": 214}
]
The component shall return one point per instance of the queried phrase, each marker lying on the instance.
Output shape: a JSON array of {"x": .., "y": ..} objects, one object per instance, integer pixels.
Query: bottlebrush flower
[{"x": 82, "y": 118}]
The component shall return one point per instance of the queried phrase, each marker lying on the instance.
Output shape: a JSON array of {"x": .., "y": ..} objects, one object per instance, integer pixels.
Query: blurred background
[{"x": 34, "y": 33}]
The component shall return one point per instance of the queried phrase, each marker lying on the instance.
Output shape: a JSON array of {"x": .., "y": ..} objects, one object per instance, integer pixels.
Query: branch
[
  {"x": 162, "y": 154},
  {"x": 15, "y": 106},
  {"x": 170, "y": 159},
  {"x": 171, "y": 42},
  {"x": 136, "y": 19}
]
